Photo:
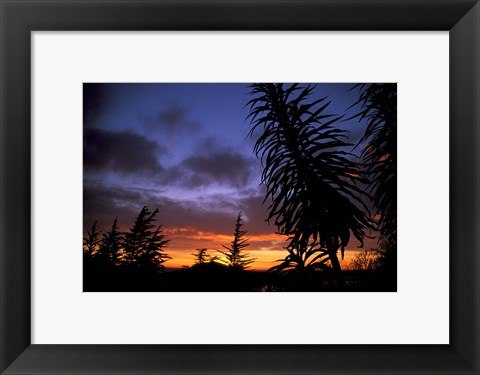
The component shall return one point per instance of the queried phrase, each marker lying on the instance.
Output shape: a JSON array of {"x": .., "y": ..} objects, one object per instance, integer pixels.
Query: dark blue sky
[{"x": 182, "y": 148}]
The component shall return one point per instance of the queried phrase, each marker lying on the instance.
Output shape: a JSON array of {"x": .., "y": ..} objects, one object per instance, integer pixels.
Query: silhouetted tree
[
  {"x": 378, "y": 106},
  {"x": 236, "y": 256},
  {"x": 387, "y": 257},
  {"x": 154, "y": 254},
  {"x": 365, "y": 261},
  {"x": 144, "y": 246},
  {"x": 111, "y": 244},
  {"x": 91, "y": 240},
  {"x": 201, "y": 256},
  {"x": 310, "y": 179}
]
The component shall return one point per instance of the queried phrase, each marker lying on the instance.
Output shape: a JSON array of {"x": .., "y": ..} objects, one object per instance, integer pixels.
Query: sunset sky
[{"x": 183, "y": 148}]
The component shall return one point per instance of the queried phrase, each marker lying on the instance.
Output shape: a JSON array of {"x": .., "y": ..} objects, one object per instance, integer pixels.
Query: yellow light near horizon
[
  {"x": 265, "y": 259},
  {"x": 185, "y": 241}
]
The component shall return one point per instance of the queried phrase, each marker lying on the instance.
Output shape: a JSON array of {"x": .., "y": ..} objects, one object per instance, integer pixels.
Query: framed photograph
[
  {"x": 234, "y": 174},
  {"x": 137, "y": 156}
]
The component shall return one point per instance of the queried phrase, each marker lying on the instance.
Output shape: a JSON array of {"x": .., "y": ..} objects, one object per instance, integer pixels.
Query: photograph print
[{"x": 239, "y": 187}]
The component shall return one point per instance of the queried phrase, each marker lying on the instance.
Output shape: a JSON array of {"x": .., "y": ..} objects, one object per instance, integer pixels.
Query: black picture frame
[{"x": 19, "y": 17}]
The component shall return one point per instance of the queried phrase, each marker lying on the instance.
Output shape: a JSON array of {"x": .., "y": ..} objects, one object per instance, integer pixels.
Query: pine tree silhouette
[
  {"x": 91, "y": 241},
  {"x": 143, "y": 246},
  {"x": 235, "y": 256},
  {"x": 154, "y": 255},
  {"x": 201, "y": 256},
  {"x": 110, "y": 246}
]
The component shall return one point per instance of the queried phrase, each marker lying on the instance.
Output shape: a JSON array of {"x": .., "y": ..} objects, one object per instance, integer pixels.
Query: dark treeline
[
  {"x": 137, "y": 254},
  {"x": 133, "y": 260},
  {"x": 319, "y": 193}
]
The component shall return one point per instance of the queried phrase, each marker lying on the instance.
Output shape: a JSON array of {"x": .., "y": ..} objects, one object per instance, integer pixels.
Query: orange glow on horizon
[
  {"x": 266, "y": 248},
  {"x": 194, "y": 234},
  {"x": 264, "y": 260}
]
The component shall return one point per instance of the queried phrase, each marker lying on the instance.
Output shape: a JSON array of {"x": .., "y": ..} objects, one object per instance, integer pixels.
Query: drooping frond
[
  {"x": 314, "y": 184},
  {"x": 378, "y": 107}
]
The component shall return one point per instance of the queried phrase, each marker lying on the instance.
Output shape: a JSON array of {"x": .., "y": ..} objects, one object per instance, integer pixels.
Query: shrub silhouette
[
  {"x": 313, "y": 185},
  {"x": 365, "y": 261}
]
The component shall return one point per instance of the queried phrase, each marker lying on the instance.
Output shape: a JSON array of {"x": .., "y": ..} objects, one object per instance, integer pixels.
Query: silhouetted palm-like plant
[
  {"x": 378, "y": 106},
  {"x": 310, "y": 259},
  {"x": 235, "y": 254},
  {"x": 310, "y": 178}
]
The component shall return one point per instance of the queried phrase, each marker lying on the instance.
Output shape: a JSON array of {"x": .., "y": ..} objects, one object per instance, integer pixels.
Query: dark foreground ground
[{"x": 213, "y": 278}]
